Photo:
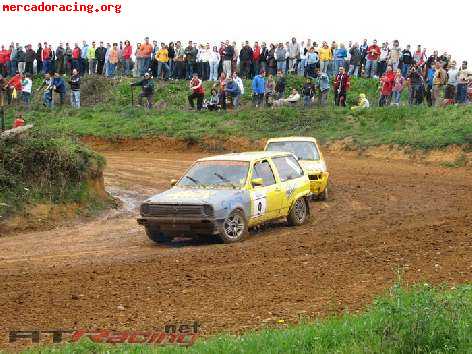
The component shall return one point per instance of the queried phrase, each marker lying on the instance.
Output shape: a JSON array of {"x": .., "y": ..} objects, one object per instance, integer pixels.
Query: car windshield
[
  {"x": 216, "y": 174},
  {"x": 303, "y": 150}
]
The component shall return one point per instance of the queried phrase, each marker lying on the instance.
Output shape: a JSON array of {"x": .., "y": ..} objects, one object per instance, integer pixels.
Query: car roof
[
  {"x": 245, "y": 156},
  {"x": 292, "y": 138}
]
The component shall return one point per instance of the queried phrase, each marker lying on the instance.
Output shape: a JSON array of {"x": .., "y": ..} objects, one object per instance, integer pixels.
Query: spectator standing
[
  {"x": 294, "y": 50},
  {"x": 256, "y": 60},
  {"x": 395, "y": 55},
  {"x": 311, "y": 62},
  {"x": 196, "y": 86},
  {"x": 325, "y": 56},
  {"x": 21, "y": 59},
  {"x": 26, "y": 89},
  {"x": 179, "y": 65},
  {"x": 416, "y": 83},
  {"x": 386, "y": 87},
  {"x": 92, "y": 59},
  {"x": 68, "y": 59},
  {"x": 269, "y": 90},
  {"x": 232, "y": 90},
  {"x": 113, "y": 60},
  {"x": 258, "y": 89},
  {"x": 245, "y": 60},
  {"x": 398, "y": 85},
  {"x": 407, "y": 60},
  {"x": 239, "y": 82},
  {"x": 451, "y": 87},
  {"x": 76, "y": 55},
  {"x": 262, "y": 59},
  {"x": 60, "y": 59},
  {"x": 29, "y": 60},
  {"x": 191, "y": 58},
  {"x": 127, "y": 53},
  {"x": 271, "y": 61},
  {"x": 39, "y": 59},
  {"x": 46, "y": 58},
  {"x": 228, "y": 54},
  {"x": 100, "y": 54},
  {"x": 341, "y": 87},
  {"x": 280, "y": 85},
  {"x": 280, "y": 57},
  {"x": 340, "y": 56},
  {"x": 383, "y": 59},
  {"x": 74, "y": 83},
  {"x": 163, "y": 62},
  {"x": 308, "y": 92},
  {"x": 439, "y": 80},
  {"x": 373, "y": 54},
  {"x": 356, "y": 60},
  {"x": 322, "y": 83},
  {"x": 464, "y": 77},
  {"x": 145, "y": 53},
  {"x": 84, "y": 64},
  {"x": 214, "y": 62}
]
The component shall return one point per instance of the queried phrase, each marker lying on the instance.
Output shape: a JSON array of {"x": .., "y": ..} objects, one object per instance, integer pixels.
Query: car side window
[
  {"x": 288, "y": 168},
  {"x": 264, "y": 171}
]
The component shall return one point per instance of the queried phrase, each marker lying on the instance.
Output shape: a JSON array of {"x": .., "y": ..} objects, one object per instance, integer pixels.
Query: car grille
[
  {"x": 314, "y": 177},
  {"x": 175, "y": 210}
]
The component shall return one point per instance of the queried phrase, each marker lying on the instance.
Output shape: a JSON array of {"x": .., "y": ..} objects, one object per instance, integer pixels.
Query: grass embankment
[
  {"x": 422, "y": 320},
  {"x": 107, "y": 113},
  {"x": 38, "y": 167}
]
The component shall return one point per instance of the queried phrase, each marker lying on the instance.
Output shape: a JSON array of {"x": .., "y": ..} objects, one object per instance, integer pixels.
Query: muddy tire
[
  {"x": 323, "y": 196},
  {"x": 299, "y": 214},
  {"x": 234, "y": 227},
  {"x": 157, "y": 236}
]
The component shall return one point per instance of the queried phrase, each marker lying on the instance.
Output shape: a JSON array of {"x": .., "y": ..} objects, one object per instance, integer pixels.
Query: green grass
[
  {"x": 420, "y": 320},
  {"x": 108, "y": 114},
  {"x": 46, "y": 167}
]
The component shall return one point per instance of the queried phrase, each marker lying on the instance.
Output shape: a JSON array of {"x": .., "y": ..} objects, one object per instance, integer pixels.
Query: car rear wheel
[
  {"x": 234, "y": 228},
  {"x": 156, "y": 235},
  {"x": 299, "y": 213},
  {"x": 323, "y": 195}
]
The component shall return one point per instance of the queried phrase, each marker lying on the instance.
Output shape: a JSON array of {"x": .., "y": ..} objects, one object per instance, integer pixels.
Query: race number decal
[{"x": 259, "y": 204}]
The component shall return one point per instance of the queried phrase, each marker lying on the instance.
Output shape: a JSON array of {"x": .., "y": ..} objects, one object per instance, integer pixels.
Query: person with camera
[
  {"x": 196, "y": 86},
  {"x": 147, "y": 90}
]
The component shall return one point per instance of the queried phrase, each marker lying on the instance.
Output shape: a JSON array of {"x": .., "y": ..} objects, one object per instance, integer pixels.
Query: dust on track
[{"x": 382, "y": 217}]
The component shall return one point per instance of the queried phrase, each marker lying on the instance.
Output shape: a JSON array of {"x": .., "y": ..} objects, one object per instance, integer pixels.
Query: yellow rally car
[
  {"x": 311, "y": 159},
  {"x": 225, "y": 195}
]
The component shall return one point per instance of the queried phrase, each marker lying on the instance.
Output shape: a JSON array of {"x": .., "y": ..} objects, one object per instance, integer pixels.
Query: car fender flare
[{"x": 307, "y": 202}]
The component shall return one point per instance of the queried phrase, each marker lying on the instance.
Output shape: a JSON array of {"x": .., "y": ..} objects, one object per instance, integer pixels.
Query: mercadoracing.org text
[{"x": 47, "y": 7}]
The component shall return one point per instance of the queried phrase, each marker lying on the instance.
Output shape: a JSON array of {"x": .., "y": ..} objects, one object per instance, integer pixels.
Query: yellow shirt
[
  {"x": 163, "y": 55},
  {"x": 325, "y": 54}
]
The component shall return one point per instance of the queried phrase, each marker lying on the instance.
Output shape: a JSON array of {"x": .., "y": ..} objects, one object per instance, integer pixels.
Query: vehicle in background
[{"x": 309, "y": 156}]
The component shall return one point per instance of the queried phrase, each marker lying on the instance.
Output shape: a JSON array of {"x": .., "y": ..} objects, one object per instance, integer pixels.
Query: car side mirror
[
  {"x": 173, "y": 182},
  {"x": 257, "y": 182}
]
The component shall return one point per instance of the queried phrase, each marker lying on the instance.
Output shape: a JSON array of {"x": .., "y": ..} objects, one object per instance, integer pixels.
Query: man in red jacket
[
  {"x": 4, "y": 56},
  {"x": 46, "y": 58},
  {"x": 196, "y": 86},
  {"x": 386, "y": 87},
  {"x": 256, "y": 56},
  {"x": 373, "y": 54},
  {"x": 341, "y": 86},
  {"x": 14, "y": 85}
]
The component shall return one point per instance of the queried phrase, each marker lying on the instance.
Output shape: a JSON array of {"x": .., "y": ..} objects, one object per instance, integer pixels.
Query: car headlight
[
  {"x": 144, "y": 209},
  {"x": 208, "y": 210}
]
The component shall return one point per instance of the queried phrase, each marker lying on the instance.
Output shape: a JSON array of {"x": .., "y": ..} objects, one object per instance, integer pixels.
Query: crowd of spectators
[{"x": 430, "y": 77}]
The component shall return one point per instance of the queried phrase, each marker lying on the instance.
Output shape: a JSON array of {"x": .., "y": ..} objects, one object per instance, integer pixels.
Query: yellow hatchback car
[
  {"x": 309, "y": 155},
  {"x": 227, "y": 194}
]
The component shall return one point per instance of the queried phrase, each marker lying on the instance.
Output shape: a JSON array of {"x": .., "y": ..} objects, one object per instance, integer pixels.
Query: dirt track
[{"x": 381, "y": 216}]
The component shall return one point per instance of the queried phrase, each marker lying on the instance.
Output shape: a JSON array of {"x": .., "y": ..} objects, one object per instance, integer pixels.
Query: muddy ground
[{"x": 382, "y": 217}]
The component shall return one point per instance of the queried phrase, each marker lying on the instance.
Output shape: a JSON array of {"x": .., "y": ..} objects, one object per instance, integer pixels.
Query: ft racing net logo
[{"x": 181, "y": 335}]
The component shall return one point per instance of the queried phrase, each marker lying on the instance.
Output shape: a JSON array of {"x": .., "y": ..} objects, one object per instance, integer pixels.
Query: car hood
[
  {"x": 313, "y": 165},
  {"x": 178, "y": 195}
]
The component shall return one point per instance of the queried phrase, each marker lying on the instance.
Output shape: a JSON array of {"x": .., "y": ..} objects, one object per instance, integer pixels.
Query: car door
[
  {"x": 291, "y": 176},
  {"x": 266, "y": 200}
]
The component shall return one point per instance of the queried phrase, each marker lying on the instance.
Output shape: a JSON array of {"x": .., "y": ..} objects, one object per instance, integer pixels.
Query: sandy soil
[{"x": 382, "y": 217}]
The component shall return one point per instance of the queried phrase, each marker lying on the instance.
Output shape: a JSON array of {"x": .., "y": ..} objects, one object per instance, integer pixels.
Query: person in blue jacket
[
  {"x": 258, "y": 88},
  {"x": 232, "y": 89},
  {"x": 59, "y": 86}
]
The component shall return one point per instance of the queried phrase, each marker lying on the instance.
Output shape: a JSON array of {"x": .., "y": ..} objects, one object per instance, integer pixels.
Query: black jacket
[
  {"x": 229, "y": 53},
  {"x": 30, "y": 55},
  {"x": 245, "y": 54},
  {"x": 74, "y": 83},
  {"x": 100, "y": 53}
]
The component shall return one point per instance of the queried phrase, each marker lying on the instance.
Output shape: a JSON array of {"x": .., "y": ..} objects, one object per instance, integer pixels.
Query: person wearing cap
[
  {"x": 463, "y": 79},
  {"x": 196, "y": 86},
  {"x": 147, "y": 90}
]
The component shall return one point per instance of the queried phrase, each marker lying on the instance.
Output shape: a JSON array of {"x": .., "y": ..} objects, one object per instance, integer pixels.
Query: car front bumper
[{"x": 185, "y": 226}]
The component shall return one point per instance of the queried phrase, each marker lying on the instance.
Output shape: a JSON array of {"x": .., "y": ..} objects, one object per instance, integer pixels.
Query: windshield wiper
[
  {"x": 193, "y": 180},
  {"x": 224, "y": 179}
]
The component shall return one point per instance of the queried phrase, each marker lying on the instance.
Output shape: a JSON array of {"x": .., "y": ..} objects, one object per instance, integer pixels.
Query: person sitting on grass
[
  {"x": 232, "y": 90},
  {"x": 213, "y": 102},
  {"x": 196, "y": 86},
  {"x": 147, "y": 90},
  {"x": 362, "y": 102},
  {"x": 292, "y": 99}
]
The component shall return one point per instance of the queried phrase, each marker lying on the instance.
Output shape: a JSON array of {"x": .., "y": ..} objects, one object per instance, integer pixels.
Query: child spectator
[{"x": 398, "y": 85}]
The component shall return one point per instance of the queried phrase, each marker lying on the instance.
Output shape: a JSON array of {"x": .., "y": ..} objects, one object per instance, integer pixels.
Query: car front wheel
[
  {"x": 234, "y": 227},
  {"x": 299, "y": 214}
]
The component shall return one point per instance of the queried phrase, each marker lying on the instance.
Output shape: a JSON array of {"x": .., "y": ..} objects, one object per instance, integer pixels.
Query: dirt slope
[{"x": 381, "y": 217}]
